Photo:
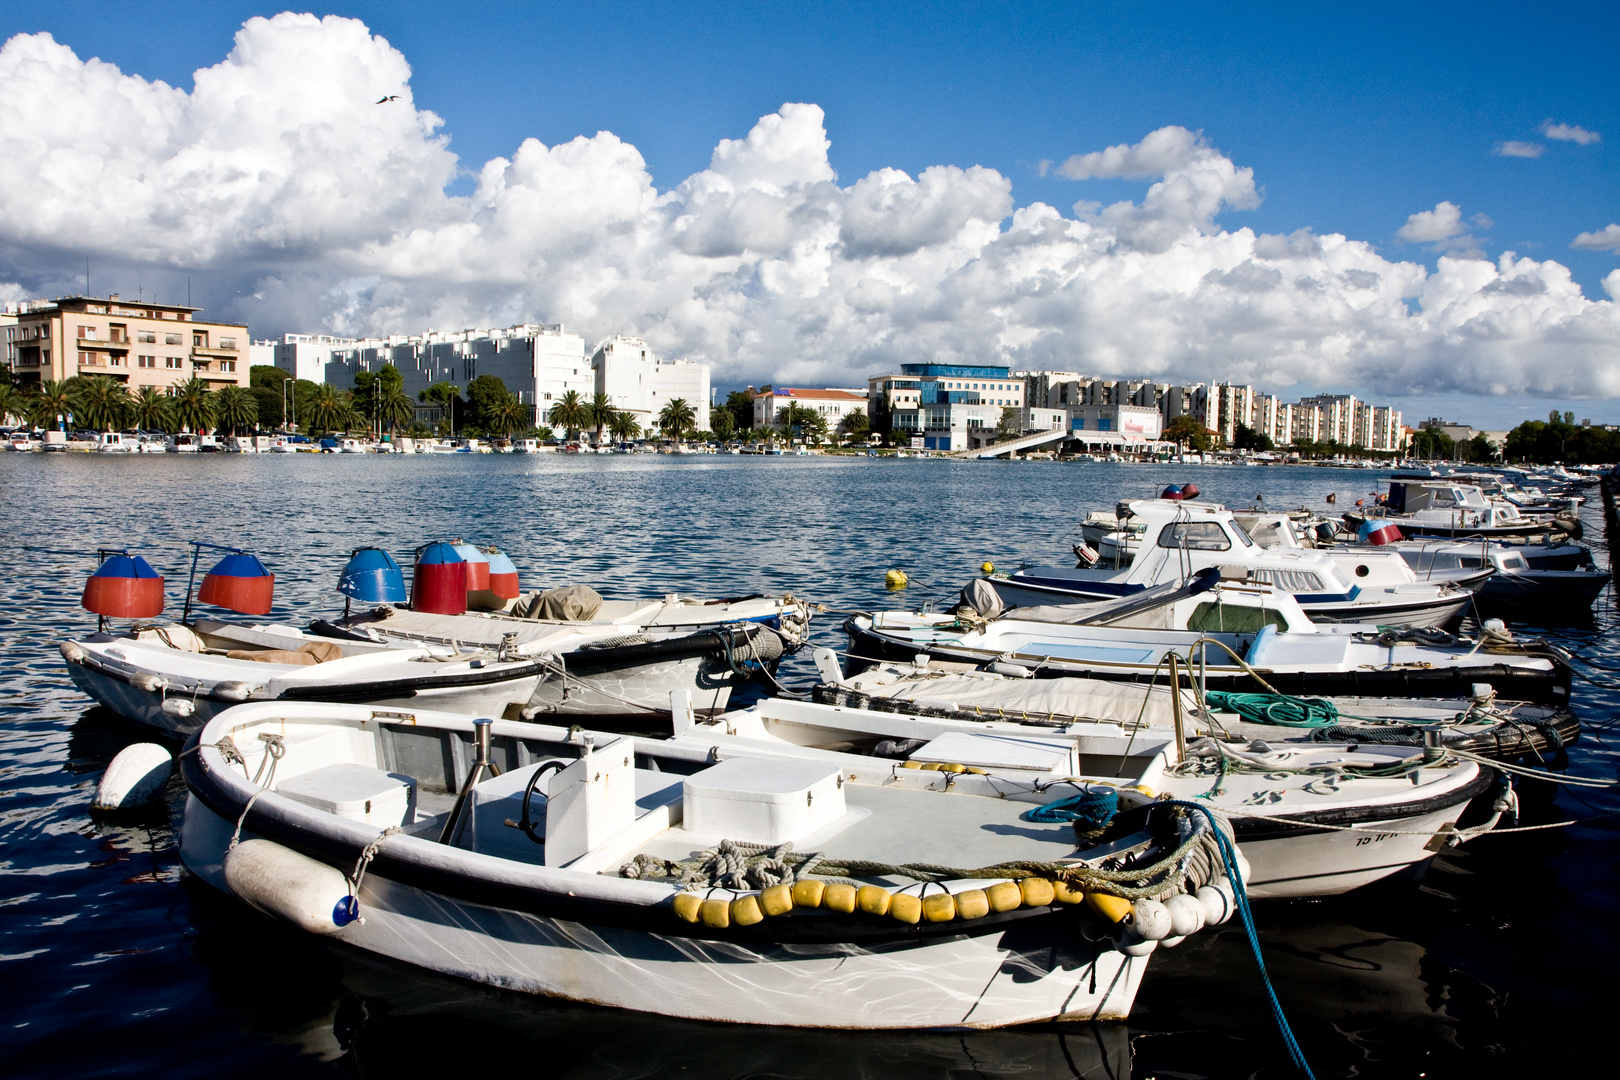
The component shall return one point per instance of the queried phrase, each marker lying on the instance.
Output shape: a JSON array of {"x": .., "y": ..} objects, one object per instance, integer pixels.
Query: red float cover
[
  {"x": 439, "y": 588},
  {"x": 504, "y": 586},
  {"x": 1383, "y": 534},
  {"x": 124, "y": 597},
  {"x": 248, "y": 595}
]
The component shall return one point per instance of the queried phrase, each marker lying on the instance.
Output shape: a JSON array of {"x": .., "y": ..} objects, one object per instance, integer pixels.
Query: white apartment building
[
  {"x": 640, "y": 383},
  {"x": 831, "y": 404},
  {"x": 303, "y": 356},
  {"x": 537, "y": 363}
]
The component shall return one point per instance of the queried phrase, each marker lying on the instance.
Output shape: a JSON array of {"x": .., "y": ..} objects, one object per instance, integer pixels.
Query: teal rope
[
  {"x": 1278, "y": 709},
  {"x": 1095, "y": 807},
  {"x": 1229, "y": 857}
]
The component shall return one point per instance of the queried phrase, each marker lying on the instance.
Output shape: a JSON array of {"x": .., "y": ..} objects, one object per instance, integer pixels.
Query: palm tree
[
  {"x": 53, "y": 398},
  {"x": 677, "y": 418},
  {"x": 601, "y": 411},
  {"x": 11, "y": 403},
  {"x": 570, "y": 413},
  {"x": 102, "y": 402},
  {"x": 856, "y": 423},
  {"x": 722, "y": 423},
  {"x": 794, "y": 415},
  {"x": 330, "y": 409},
  {"x": 396, "y": 408},
  {"x": 623, "y": 426},
  {"x": 510, "y": 415},
  {"x": 193, "y": 404},
  {"x": 236, "y": 407},
  {"x": 152, "y": 410}
]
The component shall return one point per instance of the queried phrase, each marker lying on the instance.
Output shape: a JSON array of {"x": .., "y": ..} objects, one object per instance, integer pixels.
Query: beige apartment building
[{"x": 141, "y": 344}]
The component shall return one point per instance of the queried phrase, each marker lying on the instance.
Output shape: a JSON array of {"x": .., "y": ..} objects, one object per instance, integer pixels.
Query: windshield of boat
[
  {"x": 1194, "y": 536},
  {"x": 1241, "y": 533}
]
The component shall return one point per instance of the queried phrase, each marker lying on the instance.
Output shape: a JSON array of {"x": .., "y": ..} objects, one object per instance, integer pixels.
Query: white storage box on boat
[
  {"x": 357, "y": 792},
  {"x": 987, "y": 751},
  {"x": 763, "y": 801}
]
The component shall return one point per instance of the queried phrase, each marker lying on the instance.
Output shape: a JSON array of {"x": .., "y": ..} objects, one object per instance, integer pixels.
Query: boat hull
[
  {"x": 114, "y": 690},
  {"x": 1295, "y": 859},
  {"x": 1436, "y": 611},
  {"x": 423, "y": 912},
  {"x": 867, "y": 647}
]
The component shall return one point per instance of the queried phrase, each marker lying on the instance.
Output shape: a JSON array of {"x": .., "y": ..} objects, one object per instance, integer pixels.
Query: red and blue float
[
  {"x": 1172, "y": 492},
  {"x": 1378, "y": 533},
  {"x": 503, "y": 576},
  {"x": 239, "y": 582},
  {"x": 477, "y": 566},
  {"x": 439, "y": 581},
  {"x": 124, "y": 587}
]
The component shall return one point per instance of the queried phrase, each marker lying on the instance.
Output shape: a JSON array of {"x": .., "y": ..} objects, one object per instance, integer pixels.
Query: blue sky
[{"x": 1352, "y": 118}]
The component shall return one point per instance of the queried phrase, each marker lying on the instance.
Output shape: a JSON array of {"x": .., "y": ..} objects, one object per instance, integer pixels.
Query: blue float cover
[
  {"x": 239, "y": 565},
  {"x": 468, "y": 553},
  {"x": 125, "y": 566},
  {"x": 500, "y": 564},
  {"x": 373, "y": 577},
  {"x": 438, "y": 554}
]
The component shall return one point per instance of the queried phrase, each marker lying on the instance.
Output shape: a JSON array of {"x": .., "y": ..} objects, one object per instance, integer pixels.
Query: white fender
[
  {"x": 134, "y": 777},
  {"x": 179, "y": 706},
  {"x": 73, "y": 654},
  {"x": 1150, "y": 920},
  {"x": 1133, "y": 944},
  {"x": 1218, "y": 900},
  {"x": 1186, "y": 915},
  {"x": 291, "y": 887}
]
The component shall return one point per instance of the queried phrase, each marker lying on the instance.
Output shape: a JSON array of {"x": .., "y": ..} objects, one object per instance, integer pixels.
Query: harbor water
[{"x": 112, "y": 960}]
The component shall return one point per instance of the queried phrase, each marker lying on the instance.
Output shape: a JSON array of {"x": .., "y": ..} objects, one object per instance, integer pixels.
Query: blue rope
[
  {"x": 1096, "y": 806},
  {"x": 1229, "y": 857}
]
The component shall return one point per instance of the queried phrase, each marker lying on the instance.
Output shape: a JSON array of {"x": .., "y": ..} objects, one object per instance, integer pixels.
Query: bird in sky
[{"x": 390, "y": 97}]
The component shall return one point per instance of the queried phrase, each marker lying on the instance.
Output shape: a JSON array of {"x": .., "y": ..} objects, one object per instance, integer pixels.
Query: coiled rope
[{"x": 1281, "y": 710}]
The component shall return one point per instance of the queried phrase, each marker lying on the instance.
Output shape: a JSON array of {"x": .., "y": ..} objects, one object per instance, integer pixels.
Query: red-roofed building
[{"x": 832, "y": 405}]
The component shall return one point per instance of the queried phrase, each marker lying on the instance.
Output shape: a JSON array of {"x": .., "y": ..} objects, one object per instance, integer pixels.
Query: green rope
[{"x": 1277, "y": 709}]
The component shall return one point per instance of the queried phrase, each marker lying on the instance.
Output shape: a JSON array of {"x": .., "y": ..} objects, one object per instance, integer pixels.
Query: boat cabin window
[
  {"x": 1242, "y": 534},
  {"x": 1291, "y": 581},
  {"x": 1234, "y": 619},
  {"x": 1194, "y": 536},
  {"x": 1513, "y": 562}
]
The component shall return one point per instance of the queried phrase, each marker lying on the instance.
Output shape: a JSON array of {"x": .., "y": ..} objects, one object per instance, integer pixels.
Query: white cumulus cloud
[
  {"x": 295, "y": 202},
  {"x": 1605, "y": 239},
  {"x": 1515, "y": 148},
  {"x": 1570, "y": 133}
]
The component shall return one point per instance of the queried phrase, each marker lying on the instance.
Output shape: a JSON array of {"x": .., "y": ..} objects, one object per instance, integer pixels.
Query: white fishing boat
[
  {"x": 1227, "y": 626},
  {"x": 718, "y": 885},
  {"x": 175, "y": 680},
  {"x": 1311, "y": 819},
  {"x": 1552, "y": 577},
  {"x": 1479, "y": 722},
  {"x": 22, "y": 441},
  {"x": 184, "y": 443},
  {"x": 1445, "y": 508},
  {"x": 1181, "y": 538}
]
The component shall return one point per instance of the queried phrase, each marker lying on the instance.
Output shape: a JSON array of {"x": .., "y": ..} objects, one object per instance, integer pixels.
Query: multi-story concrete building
[
  {"x": 640, "y": 383},
  {"x": 139, "y": 344},
  {"x": 1130, "y": 423},
  {"x": 1338, "y": 423},
  {"x": 1233, "y": 405},
  {"x": 831, "y": 404},
  {"x": 537, "y": 363},
  {"x": 305, "y": 356}
]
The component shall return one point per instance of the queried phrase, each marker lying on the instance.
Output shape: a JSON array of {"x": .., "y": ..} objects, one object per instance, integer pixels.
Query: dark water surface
[{"x": 113, "y": 960}]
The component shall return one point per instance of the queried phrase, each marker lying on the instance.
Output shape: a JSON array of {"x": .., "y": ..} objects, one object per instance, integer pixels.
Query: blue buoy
[{"x": 373, "y": 577}]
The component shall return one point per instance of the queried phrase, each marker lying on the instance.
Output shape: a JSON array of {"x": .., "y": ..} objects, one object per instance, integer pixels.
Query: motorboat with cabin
[
  {"x": 705, "y": 882},
  {"x": 1552, "y": 576},
  {"x": 1448, "y": 509},
  {"x": 1181, "y": 538},
  {"x": 117, "y": 442},
  {"x": 1223, "y": 623}
]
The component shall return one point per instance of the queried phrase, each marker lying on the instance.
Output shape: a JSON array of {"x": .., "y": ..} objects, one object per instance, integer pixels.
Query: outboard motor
[
  {"x": 239, "y": 582},
  {"x": 372, "y": 577},
  {"x": 439, "y": 582},
  {"x": 124, "y": 587}
]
